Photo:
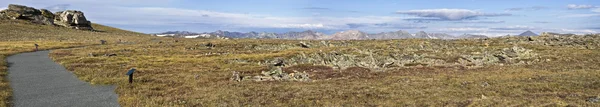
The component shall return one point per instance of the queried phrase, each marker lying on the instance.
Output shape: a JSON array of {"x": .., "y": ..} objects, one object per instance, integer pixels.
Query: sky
[{"x": 456, "y": 17}]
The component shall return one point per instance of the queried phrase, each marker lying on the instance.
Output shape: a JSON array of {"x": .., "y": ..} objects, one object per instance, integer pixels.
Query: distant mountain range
[
  {"x": 528, "y": 33},
  {"x": 312, "y": 35}
]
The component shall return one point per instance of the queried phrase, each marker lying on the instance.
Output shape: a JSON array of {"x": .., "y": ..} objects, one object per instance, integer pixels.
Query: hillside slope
[
  {"x": 522, "y": 71},
  {"x": 18, "y": 36},
  {"x": 543, "y": 70}
]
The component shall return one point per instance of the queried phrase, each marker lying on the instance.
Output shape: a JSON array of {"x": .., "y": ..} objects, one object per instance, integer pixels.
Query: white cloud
[
  {"x": 156, "y": 15},
  {"x": 516, "y": 27},
  {"x": 596, "y": 10},
  {"x": 490, "y": 34},
  {"x": 526, "y": 8},
  {"x": 477, "y": 31},
  {"x": 58, "y": 7},
  {"x": 579, "y": 15},
  {"x": 481, "y": 21},
  {"x": 2, "y": 8},
  {"x": 462, "y": 29},
  {"x": 509, "y": 30},
  {"x": 574, "y": 6},
  {"x": 450, "y": 14},
  {"x": 577, "y": 31},
  {"x": 173, "y": 16}
]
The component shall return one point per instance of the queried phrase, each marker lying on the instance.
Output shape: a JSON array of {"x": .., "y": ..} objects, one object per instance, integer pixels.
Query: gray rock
[
  {"x": 72, "y": 19},
  {"x": 485, "y": 84},
  {"x": 512, "y": 55},
  {"x": 28, "y": 13},
  {"x": 236, "y": 76},
  {"x": 110, "y": 55},
  {"x": 301, "y": 76},
  {"x": 304, "y": 45},
  {"x": 593, "y": 99}
]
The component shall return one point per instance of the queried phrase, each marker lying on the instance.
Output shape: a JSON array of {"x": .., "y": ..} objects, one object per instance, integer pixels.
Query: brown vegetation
[
  {"x": 20, "y": 36},
  {"x": 426, "y": 72}
]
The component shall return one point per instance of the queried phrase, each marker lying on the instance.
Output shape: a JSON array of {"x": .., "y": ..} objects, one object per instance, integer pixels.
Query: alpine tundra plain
[{"x": 549, "y": 69}]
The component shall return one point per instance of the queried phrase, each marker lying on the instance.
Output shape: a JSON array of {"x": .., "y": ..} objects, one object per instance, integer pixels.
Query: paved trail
[{"x": 37, "y": 81}]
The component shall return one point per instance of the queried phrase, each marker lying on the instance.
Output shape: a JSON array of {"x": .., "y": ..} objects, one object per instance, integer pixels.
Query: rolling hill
[
  {"x": 546, "y": 70},
  {"x": 18, "y": 36}
]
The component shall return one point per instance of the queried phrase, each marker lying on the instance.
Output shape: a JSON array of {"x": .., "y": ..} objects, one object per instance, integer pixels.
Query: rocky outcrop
[
  {"x": 70, "y": 18},
  {"x": 587, "y": 41},
  {"x": 28, "y": 13},
  {"x": 275, "y": 74},
  {"x": 372, "y": 59}
]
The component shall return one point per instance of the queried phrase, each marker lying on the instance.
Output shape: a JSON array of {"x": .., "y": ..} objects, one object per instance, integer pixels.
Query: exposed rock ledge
[{"x": 70, "y": 18}]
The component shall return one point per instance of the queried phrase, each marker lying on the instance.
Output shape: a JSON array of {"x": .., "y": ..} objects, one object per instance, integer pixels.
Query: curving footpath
[{"x": 37, "y": 81}]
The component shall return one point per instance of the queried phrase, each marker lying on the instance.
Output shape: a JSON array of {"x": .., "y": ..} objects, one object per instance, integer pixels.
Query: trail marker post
[
  {"x": 36, "y": 47},
  {"x": 130, "y": 73}
]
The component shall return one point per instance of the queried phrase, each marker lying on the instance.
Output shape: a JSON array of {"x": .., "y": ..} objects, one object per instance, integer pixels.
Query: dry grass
[
  {"x": 187, "y": 73},
  {"x": 20, "y": 36},
  {"x": 171, "y": 74}
]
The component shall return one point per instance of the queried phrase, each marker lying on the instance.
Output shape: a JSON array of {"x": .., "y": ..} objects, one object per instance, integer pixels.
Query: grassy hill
[
  {"x": 20, "y": 36},
  {"x": 508, "y": 71}
]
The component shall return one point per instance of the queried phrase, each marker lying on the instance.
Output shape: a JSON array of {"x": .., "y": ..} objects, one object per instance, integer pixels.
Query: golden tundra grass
[
  {"x": 171, "y": 74},
  {"x": 186, "y": 73},
  {"x": 20, "y": 36}
]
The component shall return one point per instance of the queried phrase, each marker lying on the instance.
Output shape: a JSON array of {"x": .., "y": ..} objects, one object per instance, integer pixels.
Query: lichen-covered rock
[
  {"x": 72, "y": 19},
  {"x": 275, "y": 74},
  {"x": 2, "y": 15},
  {"x": 478, "y": 60},
  {"x": 514, "y": 54},
  {"x": 10, "y": 14},
  {"x": 304, "y": 45},
  {"x": 48, "y": 17},
  {"x": 588, "y": 41},
  {"x": 236, "y": 76},
  {"x": 47, "y": 13},
  {"x": 23, "y": 11},
  {"x": 26, "y": 13},
  {"x": 594, "y": 99}
]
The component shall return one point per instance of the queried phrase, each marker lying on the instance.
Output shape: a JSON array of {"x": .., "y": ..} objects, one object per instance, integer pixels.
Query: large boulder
[
  {"x": 72, "y": 19},
  {"x": 27, "y": 13}
]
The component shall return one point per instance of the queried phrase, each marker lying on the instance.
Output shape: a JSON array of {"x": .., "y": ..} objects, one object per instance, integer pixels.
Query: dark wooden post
[
  {"x": 130, "y": 73},
  {"x": 130, "y": 78},
  {"x": 36, "y": 47}
]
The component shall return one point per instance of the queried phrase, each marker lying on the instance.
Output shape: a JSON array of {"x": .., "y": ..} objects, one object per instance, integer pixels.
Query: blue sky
[{"x": 488, "y": 17}]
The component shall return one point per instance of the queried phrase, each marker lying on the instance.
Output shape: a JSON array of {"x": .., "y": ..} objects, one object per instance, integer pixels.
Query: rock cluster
[
  {"x": 513, "y": 55},
  {"x": 275, "y": 74},
  {"x": 372, "y": 60},
  {"x": 594, "y": 99},
  {"x": 433, "y": 53},
  {"x": 70, "y": 18},
  {"x": 589, "y": 41},
  {"x": 42, "y": 16}
]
